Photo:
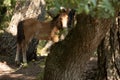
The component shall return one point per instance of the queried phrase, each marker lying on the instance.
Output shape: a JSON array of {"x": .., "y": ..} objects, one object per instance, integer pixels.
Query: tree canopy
[
  {"x": 96, "y": 8},
  {"x": 6, "y": 12}
]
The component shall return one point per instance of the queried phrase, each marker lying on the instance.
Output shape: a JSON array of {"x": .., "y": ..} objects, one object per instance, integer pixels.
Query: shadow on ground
[{"x": 9, "y": 71}]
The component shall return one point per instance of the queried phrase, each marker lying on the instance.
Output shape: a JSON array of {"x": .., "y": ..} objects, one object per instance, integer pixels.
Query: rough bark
[
  {"x": 102, "y": 72},
  {"x": 67, "y": 59},
  {"x": 28, "y": 9},
  {"x": 110, "y": 54}
]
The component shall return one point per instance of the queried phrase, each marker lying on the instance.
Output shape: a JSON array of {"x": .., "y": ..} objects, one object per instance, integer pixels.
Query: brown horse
[
  {"x": 71, "y": 23},
  {"x": 32, "y": 28}
]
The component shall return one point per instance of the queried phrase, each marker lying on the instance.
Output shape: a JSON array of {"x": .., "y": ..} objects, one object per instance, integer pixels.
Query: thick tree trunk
[
  {"x": 31, "y": 9},
  {"x": 101, "y": 51},
  {"x": 110, "y": 54},
  {"x": 67, "y": 59}
]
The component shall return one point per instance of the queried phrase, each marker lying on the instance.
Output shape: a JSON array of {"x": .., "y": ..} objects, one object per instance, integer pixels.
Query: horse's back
[
  {"x": 34, "y": 24},
  {"x": 37, "y": 29},
  {"x": 30, "y": 23}
]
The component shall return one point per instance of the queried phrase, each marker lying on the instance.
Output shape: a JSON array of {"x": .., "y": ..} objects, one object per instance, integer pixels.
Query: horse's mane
[
  {"x": 55, "y": 21},
  {"x": 56, "y": 17}
]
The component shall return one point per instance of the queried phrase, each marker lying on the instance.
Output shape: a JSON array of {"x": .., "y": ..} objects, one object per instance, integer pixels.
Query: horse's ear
[
  {"x": 62, "y": 9},
  {"x": 65, "y": 10}
]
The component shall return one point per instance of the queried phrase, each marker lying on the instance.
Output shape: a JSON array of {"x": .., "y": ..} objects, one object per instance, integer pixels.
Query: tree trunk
[
  {"x": 67, "y": 59},
  {"x": 111, "y": 52},
  {"x": 102, "y": 72},
  {"x": 31, "y": 9}
]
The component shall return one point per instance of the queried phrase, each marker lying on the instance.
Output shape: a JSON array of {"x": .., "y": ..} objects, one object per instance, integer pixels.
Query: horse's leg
[
  {"x": 17, "y": 54},
  {"x": 46, "y": 48},
  {"x": 24, "y": 50}
]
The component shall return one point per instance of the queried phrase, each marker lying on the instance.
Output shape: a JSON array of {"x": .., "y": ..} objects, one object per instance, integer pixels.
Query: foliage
[
  {"x": 97, "y": 8},
  {"x": 41, "y": 44},
  {"x": 6, "y": 11}
]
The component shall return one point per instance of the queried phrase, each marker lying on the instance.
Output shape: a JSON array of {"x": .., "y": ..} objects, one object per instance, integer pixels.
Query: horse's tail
[{"x": 20, "y": 32}]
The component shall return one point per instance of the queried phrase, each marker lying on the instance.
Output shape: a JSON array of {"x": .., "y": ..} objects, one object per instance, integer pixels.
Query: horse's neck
[
  {"x": 53, "y": 23},
  {"x": 50, "y": 26}
]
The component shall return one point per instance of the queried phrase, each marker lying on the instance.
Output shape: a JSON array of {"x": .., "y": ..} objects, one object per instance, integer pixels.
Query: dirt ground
[
  {"x": 34, "y": 71},
  {"x": 9, "y": 71}
]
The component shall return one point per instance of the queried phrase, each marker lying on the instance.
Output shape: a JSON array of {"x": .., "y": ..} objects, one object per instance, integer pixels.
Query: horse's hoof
[
  {"x": 25, "y": 65},
  {"x": 17, "y": 63}
]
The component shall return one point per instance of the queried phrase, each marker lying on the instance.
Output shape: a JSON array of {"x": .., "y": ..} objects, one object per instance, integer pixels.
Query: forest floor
[
  {"x": 9, "y": 71},
  {"x": 35, "y": 69}
]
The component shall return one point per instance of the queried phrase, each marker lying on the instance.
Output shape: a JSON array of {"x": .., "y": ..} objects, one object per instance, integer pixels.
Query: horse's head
[
  {"x": 61, "y": 19},
  {"x": 64, "y": 18}
]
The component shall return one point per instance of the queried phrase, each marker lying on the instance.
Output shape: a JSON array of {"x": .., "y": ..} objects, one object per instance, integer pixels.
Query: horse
[
  {"x": 32, "y": 28},
  {"x": 70, "y": 24}
]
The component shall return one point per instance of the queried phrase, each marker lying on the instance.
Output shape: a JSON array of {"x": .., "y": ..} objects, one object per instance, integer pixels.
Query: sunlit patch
[
  {"x": 93, "y": 58},
  {"x": 4, "y": 68}
]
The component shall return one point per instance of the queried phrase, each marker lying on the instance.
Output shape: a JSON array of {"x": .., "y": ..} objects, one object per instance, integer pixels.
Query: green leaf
[
  {"x": 87, "y": 9},
  {"x": 7, "y": 2},
  {"x": 94, "y": 2},
  {"x": 106, "y": 8}
]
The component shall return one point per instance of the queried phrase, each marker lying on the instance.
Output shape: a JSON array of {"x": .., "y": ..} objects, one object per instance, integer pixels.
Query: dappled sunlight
[
  {"x": 93, "y": 58},
  {"x": 11, "y": 72},
  {"x": 16, "y": 77},
  {"x": 12, "y": 75},
  {"x": 4, "y": 68}
]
